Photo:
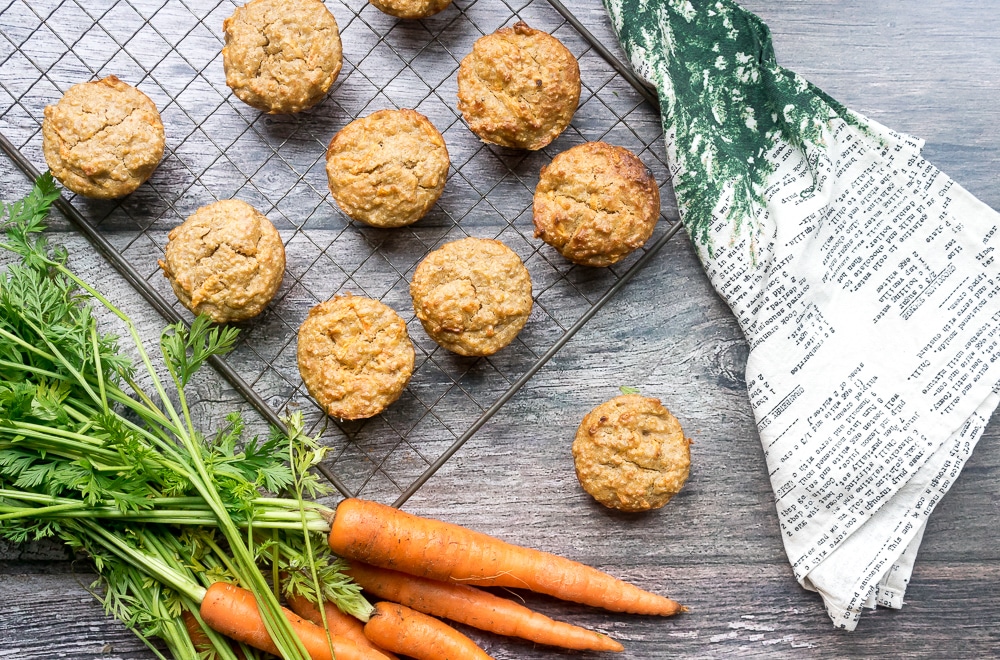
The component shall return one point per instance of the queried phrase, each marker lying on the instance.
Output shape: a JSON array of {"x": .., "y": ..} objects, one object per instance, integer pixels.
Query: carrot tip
[{"x": 614, "y": 645}]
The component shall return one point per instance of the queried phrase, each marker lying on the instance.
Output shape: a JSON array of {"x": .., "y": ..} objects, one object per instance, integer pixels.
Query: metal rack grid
[{"x": 218, "y": 148}]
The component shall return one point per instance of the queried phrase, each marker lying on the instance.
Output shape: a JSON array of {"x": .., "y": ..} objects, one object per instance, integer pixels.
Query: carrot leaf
[
  {"x": 112, "y": 463},
  {"x": 186, "y": 349}
]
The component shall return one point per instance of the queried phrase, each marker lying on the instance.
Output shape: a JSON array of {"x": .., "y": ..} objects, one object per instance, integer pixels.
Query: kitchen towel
[{"x": 864, "y": 279}]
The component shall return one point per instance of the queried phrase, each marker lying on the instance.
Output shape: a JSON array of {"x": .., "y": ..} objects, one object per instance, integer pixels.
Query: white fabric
[
  {"x": 866, "y": 282},
  {"x": 875, "y": 350}
]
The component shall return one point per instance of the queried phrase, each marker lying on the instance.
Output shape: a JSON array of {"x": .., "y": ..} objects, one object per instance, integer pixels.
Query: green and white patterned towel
[{"x": 865, "y": 280}]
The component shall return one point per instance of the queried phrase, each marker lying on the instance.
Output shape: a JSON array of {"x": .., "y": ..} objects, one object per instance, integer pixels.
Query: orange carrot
[
  {"x": 232, "y": 611},
  {"x": 384, "y": 536},
  {"x": 476, "y": 608},
  {"x": 337, "y": 622},
  {"x": 198, "y": 637},
  {"x": 408, "y": 632}
]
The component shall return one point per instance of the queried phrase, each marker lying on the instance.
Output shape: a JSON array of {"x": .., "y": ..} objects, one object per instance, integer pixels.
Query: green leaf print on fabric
[{"x": 724, "y": 99}]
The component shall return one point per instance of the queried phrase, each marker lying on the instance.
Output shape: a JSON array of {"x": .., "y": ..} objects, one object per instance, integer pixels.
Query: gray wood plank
[{"x": 53, "y": 616}]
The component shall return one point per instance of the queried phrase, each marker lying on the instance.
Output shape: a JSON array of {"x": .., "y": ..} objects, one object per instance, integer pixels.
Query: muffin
[
  {"x": 226, "y": 260},
  {"x": 518, "y": 87},
  {"x": 387, "y": 169},
  {"x": 472, "y": 295},
  {"x": 596, "y": 203},
  {"x": 281, "y": 56},
  {"x": 410, "y": 8},
  {"x": 354, "y": 356},
  {"x": 103, "y": 138},
  {"x": 631, "y": 454}
]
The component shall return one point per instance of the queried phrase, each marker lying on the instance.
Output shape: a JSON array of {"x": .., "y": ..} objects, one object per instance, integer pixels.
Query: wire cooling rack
[{"x": 219, "y": 148}]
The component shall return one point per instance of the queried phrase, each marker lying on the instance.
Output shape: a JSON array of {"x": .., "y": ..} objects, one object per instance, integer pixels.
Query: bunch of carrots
[
  {"x": 437, "y": 567},
  {"x": 188, "y": 544},
  {"x": 424, "y": 570}
]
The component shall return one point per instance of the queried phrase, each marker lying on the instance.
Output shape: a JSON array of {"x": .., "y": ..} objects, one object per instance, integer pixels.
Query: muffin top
[
  {"x": 226, "y": 260},
  {"x": 410, "y": 8},
  {"x": 596, "y": 203},
  {"x": 281, "y": 56},
  {"x": 387, "y": 169},
  {"x": 631, "y": 454},
  {"x": 355, "y": 356},
  {"x": 472, "y": 296},
  {"x": 519, "y": 87},
  {"x": 103, "y": 139}
]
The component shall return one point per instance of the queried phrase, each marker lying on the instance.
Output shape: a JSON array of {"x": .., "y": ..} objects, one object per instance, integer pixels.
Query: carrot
[
  {"x": 232, "y": 611},
  {"x": 337, "y": 622},
  {"x": 476, "y": 608},
  {"x": 198, "y": 637},
  {"x": 384, "y": 536},
  {"x": 408, "y": 632}
]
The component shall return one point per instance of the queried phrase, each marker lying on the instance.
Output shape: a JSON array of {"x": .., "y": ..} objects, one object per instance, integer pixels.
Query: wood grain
[{"x": 930, "y": 69}]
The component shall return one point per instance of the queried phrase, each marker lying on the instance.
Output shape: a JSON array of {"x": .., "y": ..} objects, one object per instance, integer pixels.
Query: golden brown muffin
[
  {"x": 281, "y": 56},
  {"x": 631, "y": 453},
  {"x": 355, "y": 356},
  {"x": 226, "y": 260},
  {"x": 472, "y": 295},
  {"x": 387, "y": 169},
  {"x": 410, "y": 8},
  {"x": 595, "y": 203},
  {"x": 518, "y": 87},
  {"x": 103, "y": 138}
]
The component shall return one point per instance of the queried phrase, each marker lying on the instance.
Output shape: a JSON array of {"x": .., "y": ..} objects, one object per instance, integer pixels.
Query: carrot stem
[{"x": 152, "y": 566}]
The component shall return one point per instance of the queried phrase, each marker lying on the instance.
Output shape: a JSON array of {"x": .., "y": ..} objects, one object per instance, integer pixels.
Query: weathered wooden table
[{"x": 929, "y": 69}]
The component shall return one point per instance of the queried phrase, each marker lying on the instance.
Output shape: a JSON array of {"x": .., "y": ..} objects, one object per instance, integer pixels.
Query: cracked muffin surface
[
  {"x": 103, "y": 139},
  {"x": 226, "y": 260},
  {"x": 281, "y": 56},
  {"x": 631, "y": 454},
  {"x": 472, "y": 295},
  {"x": 596, "y": 203},
  {"x": 355, "y": 356},
  {"x": 519, "y": 87},
  {"x": 410, "y": 9},
  {"x": 387, "y": 169}
]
